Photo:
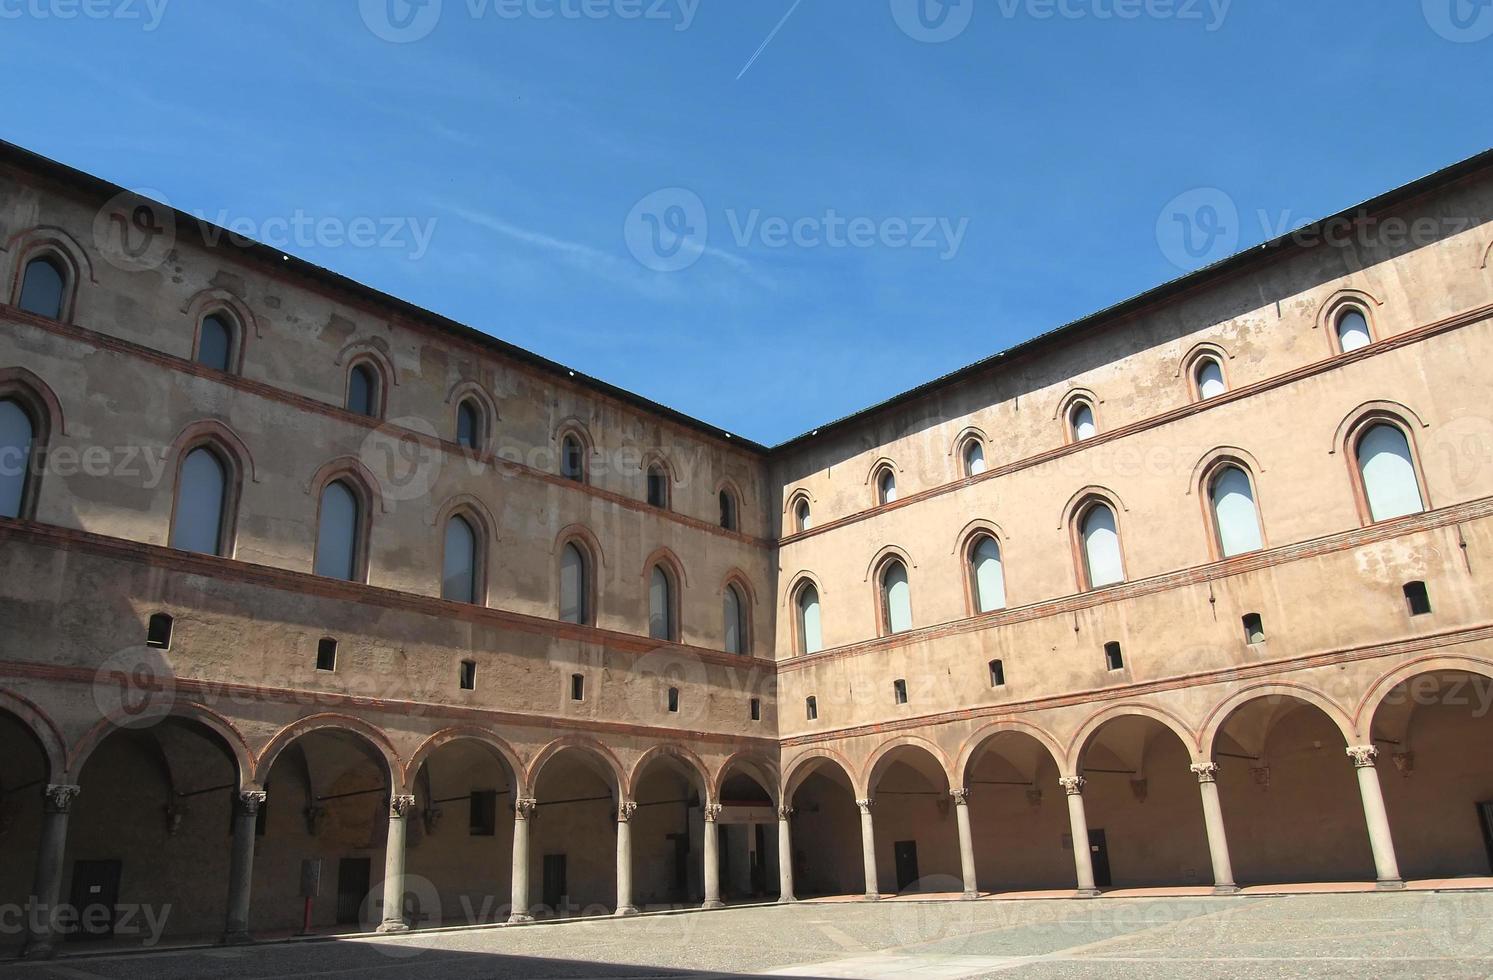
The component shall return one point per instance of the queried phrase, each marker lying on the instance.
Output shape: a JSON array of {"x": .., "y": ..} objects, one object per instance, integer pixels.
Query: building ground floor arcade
[{"x": 200, "y": 823}]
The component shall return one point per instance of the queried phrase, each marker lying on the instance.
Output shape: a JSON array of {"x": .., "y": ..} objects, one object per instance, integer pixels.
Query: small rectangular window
[
  {"x": 1254, "y": 629},
  {"x": 577, "y": 687},
  {"x": 469, "y": 675},
  {"x": 326, "y": 654},
  {"x": 1112, "y": 656},
  {"x": 1418, "y": 599},
  {"x": 997, "y": 674},
  {"x": 158, "y": 632},
  {"x": 674, "y": 699},
  {"x": 756, "y": 709},
  {"x": 483, "y": 821},
  {"x": 899, "y": 691},
  {"x": 811, "y": 708}
]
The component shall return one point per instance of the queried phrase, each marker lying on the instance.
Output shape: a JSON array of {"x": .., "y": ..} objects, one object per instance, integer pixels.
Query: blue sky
[{"x": 937, "y": 197}]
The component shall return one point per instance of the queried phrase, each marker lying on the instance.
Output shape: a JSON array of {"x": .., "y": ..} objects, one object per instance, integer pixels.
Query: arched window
[
  {"x": 1236, "y": 518},
  {"x": 661, "y": 616},
  {"x": 43, "y": 287},
  {"x": 987, "y": 576},
  {"x": 1081, "y": 421},
  {"x": 1387, "y": 469},
  {"x": 886, "y": 486},
  {"x": 17, "y": 434},
  {"x": 201, "y": 519},
  {"x": 215, "y": 343},
  {"x": 896, "y": 598},
  {"x": 572, "y": 459},
  {"x": 459, "y": 579},
  {"x": 734, "y": 610},
  {"x": 810, "y": 633},
  {"x": 363, "y": 393},
  {"x": 339, "y": 543},
  {"x": 974, "y": 458},
  {"x": 469, "y": 424},
  {"x": 1100, "y": 539},
  {"x": 1209, "y": 377},
  {"x": 803, "y": 517},
  {"x": 658, "y": 486},
  {"x": 1353, "y": 331},
  {"x": 728, "y": 510},
  {"x": 575, "y": 586}
]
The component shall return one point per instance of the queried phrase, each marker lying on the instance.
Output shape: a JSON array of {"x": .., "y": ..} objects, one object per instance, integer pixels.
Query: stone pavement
[{"x": 1352, "y": 935}]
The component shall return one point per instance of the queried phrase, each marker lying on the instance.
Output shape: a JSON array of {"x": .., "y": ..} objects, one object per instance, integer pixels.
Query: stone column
[
  {"x": 57, "y": 802},
  {"x": 624, "y": 859},
  {"x": 966, "y": 843},
  {"x": 712, "y": 857},
  {"x": 1078, "y": 822},
  {"x": 1218, "y": 841},
  {"x": 399, "y": 808},
  {"x": 1385, "y": 863},
  {"x": 868, "y": 850},
  {"x": 523, "y": 812},
  {"x": 241, "y": 866},
  {"x": 785, "y": 856}
]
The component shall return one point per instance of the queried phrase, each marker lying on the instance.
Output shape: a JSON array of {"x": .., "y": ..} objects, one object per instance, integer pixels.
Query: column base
[
  {"x": 970, "y": 896},
  {"x": 520, "y": 919},
  {"x": 625, "y": 911},
  {"x": 1229, "y": 889},
  {"x": 39, "y": 950},
  {"x": 236, "y": 939},
  {"x": 712, "y": 906},
  {"x": 1392, "y": 885},
  {"x": 787, "y": 900},
  {"x": 1087, "y": 893},
  {"x": 870, "y": 898},
  {"x": 392, "y": 928}
]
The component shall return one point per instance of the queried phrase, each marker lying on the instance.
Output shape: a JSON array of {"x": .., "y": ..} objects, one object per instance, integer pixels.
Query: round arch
[
  {"x": 375, "y": 738},
  {"x": 499, "y": 749},
  {"x": 1373, "y": 698},
  {"x": 685, "y": 759},
  {"x": 804, "y": 766},
  {"x": 48, "y": 735},
  {"x": 1219, "y": 715},
  {"x": 879, "y": 759},
  {"x": 590, "y": 748},
  {"x": 750, "y": 763},
  {"x": 232, "y": 740},
  {"x": 982, "y": 737},
  {"x": 1073, "y": 757}
]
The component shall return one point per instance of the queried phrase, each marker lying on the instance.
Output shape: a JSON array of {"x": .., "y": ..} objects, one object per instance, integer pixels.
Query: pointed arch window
[
  {"x": 1236, "y": 517},
  {"x": 1081, "y": 421},
  {"x": 896, "y": 598},
  {"x": 662, "y": 615},
  {"x": 339, "y": 538},
  {"x": 216, "y": 342},
  {"x": 201, "y": 521},
  {"x": 1209, "y": 377},
  {"x": 17, "y": 436},
  {"x": 575, "y": 586},
  {"x": 803, "y": 516},
  {"x": 974, "y": 458},
  {"x": 469, "y": 427},
  {"x": 735, "y": 613},
  {"x": 729, "y": 517},
  {"x": 43, "y": 287},
  {"x": 572, "y": 459},
  {"x": 364, "y": 390},
  {"x": 886, "y": 486},
  {"x": 810, "y": 628},
  {"x": 658, "y": 486},
  {"x": 460, "y": 575},
  {"x": 1099, "y": 538},
  {"x": 1353, "y": 330},
  {"x": 987, "y": 574},
  {"x": 1391, "y": 486}
]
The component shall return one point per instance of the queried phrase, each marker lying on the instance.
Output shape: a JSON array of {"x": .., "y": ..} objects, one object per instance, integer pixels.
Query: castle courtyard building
[{"x": 321, "y": 611}]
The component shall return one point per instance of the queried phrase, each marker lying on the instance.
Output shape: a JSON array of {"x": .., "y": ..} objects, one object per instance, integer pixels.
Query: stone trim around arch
[
  {"x": 1353, "y": 428},
  {"x": 972, "y": 745},
  {"x": 232, "y": 739},
  {"x": 1335, "y": 305},
  {"x": 468, "y": 733},
  {"x": 1220, "y": 713},
  {"x": 681, "y": 754},
  {"x": 1073, "y": 754},
  {"x": 770, "y": 777},
  {"x": 869, "y": 774},
  {"x": 50, "y": 240},
  {"x": 48, "y": 736},
  {"x": 585, "y": 745},
  {"x": 203, "y": 431},
  {"x": 1373, "y": 698},
  {"x": 331, "y": 721},
  {"x": 803, "y": 766}
]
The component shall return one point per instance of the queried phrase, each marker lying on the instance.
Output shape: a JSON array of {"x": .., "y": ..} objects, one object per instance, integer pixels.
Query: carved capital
[
  {"x": 784, "y": 812},
  {"x": 961, "y": 796},
  {"x": 1363, "y": 755},
  {"x": 713, "y": 812},
  {"x": 250, "y": 800},
  {"x": 59, "y": 798},
  {"x": 625, "y": 811},
  {"x": 865, "y": 805},
  {"x": 400, "y": 805},
  {"x": 1206, "y": 772},
  {"x": 1072, "y": 785},
  {"x": 524, "y": 809}
]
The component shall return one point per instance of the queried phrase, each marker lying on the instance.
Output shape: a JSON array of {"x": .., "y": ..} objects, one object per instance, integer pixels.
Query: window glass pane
[
  {"x": 808, "y": 620},
  {"x": 1101, "y": 544},
  {"x": 460, "y": 579},
  {"x": 1389, "y": 479},
  {"x": 467, "y": 425},
  {"x": 1353, "y": 331},
  {"x": 337, "y": 538},
  {"x": 805, "y": 518},
  {"x": 974, "y": 459},
  {"x": 199, "y": 503},
  {"x": 990, "y": 576},
  {"x": 572, "y": 585},
  {"x": 15, "y": 457},
  {"x": 897, "y": 595},
  {"x": 571, "y": 465},
  {"x": 41, "y": 289},
  {"x": 361, "y": 391},
  {"x": 1234, "y": 511},
  {"x": 734, "y": 633},
  {"x": 728, "y": 510},
  {"x": 658, "y": 487},
  {"x": 660, "y": 606},
  {"x": 215, "y": 346},
  {"x": 1083, "y": 423},
  {"x": 888, "y": 486},
  {"x": 1210, "y": 379}
]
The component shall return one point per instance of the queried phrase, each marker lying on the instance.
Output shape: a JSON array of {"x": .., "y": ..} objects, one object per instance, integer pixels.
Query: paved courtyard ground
[{"x": 1416, "y": 934}]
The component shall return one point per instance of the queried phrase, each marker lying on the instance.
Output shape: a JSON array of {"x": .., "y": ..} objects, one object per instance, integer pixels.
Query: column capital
[
  {"x": 58, "y": 797},
  {"x": 866, "y": 804},
  {"x": 523, "y": 808},
  {"x": 625, "y": 811},
  {"x": 1363, "y": 755},
  {"x": 784, "y": 812},
  {"x": 1206, "y": 772},
  {"x": 713, "y": 812},
  {"x": 960, "y": 795},
  {"x": 400, "y": 805},
  {"x": 251, "y": 800},
  {"x": 1073, "y": 785}
]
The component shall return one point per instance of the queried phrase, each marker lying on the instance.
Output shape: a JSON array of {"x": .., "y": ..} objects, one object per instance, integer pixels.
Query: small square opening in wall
[
  {"x": 1113, "y": 658},
  {"x": 1254, "y": 629},
  {"x": 997, "y": 674},
  {"x": 482, "y": 820},
  {"x": 1417, "y": 598},
  {"x": 811, "y": 708},
  {"x": 674, "y": 700},
  {"x": 326, "y": 654},
  {"x": 899, "y": 691},
  {"x": 756, "y": 709},
  {"x": 158, "y": 631},
  {"x": 577, "y": 687},
  {"x": 469, "y": 675}
]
